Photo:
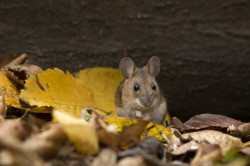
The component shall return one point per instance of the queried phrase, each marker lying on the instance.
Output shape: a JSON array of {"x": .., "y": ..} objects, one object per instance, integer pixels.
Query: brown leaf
[
  {"x": 105, "y": 157},
  {"x": 13, "y": 153},
  {"x": 189, "y": 146},
  {"x": 19, "y": 73},
  {"x": 3, "y": 107},
  {"x": 242, "y": 131},
  {"x": 130, "y": 135},
  {"x": 47, "y": 143},
  {"x": 132, "y": 161},
  {"x": 15, "y": 129},
  {"x": 246, "y": 151},
  {"x": 150, "y": 146},
  {"x": 205, "y": 121},
  {"x": 225, "y": 141},
  {"x": 207, "y": 155}
]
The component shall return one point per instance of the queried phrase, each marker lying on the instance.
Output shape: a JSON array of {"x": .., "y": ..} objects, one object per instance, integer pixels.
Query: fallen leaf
[
  {"x": 10, "y": 91},
  {"x": 225, "y": 141},
  {"x": 132, "y": 161},
  {"x": 207, "y": 155},
  {"x": 189, "y": 146},
  {"x": 246, "y": 151},
  {"x": 3, "y": 107},
  {"x": 106, "y": 133},
  {"x": 13, "y": 153},
  {"x": 152, "y": 129},
  {"x": 19, "y": 73},
  {"x": 205, "y": 121},
  {"x": 234, "y": 158},
  {"x": 48, "y": 142},
  {"x": 103, "y": 83},
  {"x": 106, "y": 157},
  {"x": 130, "y": 135},
  {"x": 150, "y": 146},
  {"x": 57, "y": 89},
  {"x": 78, "y": 131},
  {"x": 15, "y": 129},
  {"x": 242, "y": 131}
]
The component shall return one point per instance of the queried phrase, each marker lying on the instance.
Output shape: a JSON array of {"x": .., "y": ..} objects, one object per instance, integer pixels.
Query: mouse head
[{"x": 140, "y": 87}]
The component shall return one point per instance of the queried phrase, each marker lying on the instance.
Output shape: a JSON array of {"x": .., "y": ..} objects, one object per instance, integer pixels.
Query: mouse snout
[{"x": 146, "y": 100}]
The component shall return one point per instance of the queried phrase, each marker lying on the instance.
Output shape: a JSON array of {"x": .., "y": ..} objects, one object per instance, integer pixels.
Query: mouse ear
[
  {"x": 154, "y": 66},
  {"x": 127, "y": 67}
]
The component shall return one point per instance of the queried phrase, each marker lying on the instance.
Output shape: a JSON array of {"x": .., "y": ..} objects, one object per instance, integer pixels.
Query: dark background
[{"x": 204, "y": 46}]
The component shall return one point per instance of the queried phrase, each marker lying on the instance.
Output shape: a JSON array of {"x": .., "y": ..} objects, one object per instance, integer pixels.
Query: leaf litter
[{"x": 71, "y": 120}]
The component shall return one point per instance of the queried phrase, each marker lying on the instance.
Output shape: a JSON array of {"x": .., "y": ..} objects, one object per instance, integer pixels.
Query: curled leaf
[
  {"x": 47, "y": 143},
  {"x": 205, "y": 121},
  {"x": 78, "y": 131},
  {"x": 152, "y": 129},
  {"x": 242, "y": 131},
  {"x": 225, "y": 141},
  {"x": 207, "y": 153},
  {"x": 19, "y": 73}
]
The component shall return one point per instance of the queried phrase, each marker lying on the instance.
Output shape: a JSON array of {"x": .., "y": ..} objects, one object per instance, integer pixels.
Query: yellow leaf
[
  {"x": 57, "y": 89},
  {"x": 78, "y": 131},
  {"x": 103, "y": 82},
  {"x": 152, "y": 129},
  {"x": 9, "y": 91}
]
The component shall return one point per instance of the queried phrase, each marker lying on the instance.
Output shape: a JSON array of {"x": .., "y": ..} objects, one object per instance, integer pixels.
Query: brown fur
[{"x": 147, "y": 101}]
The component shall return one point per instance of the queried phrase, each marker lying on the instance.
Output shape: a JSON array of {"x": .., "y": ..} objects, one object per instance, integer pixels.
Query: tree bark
[{"x": 204, "y": 46}]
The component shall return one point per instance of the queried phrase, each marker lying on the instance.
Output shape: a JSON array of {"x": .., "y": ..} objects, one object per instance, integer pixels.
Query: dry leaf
[
  {"x": 78, "y": 131},
  {"x": 225, "y": 141},
  {"x": 57, "y": 89},
  {"x": 189, "y": 146},
  {"x": 10, "y": 91},
  {"x": 246, "y": 151},
  {"x": 47, "y": 143},
  {"x": 207, "y": 155},
  {"x": 152, "y": 129},
  {"x": 205, "y": 121},
  {"x": 242, "y": 131},
  {"x": 130, "y": 135},
  {"x": 3, "y": 107},
  {"x": 150, "y": 146},
  {"x": 132, "y": 161},
  {"x": 103, "y": 82},
  {"x": 107, "y": 134},
  {"x": 15, "y": 129},
  {"x": 19, "y": 73},
  {"x": 106, "y": 157},
  {"x": 13, "y": 153}
]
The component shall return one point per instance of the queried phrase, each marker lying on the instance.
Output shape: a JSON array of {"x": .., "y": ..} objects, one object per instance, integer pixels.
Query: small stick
[{"x": 19, "y": 60}]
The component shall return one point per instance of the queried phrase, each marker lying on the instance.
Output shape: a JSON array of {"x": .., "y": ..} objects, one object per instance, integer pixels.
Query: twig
[{"x": 19, "y": 60}]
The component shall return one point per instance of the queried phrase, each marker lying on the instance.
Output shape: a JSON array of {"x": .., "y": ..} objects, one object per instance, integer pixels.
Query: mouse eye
[
  {"x": 153, "y": 86},
  {"x": 136, "y": 87}
]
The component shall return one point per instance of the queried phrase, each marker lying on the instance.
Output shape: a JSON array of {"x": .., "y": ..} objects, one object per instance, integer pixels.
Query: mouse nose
[{"x": 146, "y": 101}]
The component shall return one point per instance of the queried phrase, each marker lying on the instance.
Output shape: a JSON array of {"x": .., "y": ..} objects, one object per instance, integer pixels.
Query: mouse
[{"x": 139, "y": 95}]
